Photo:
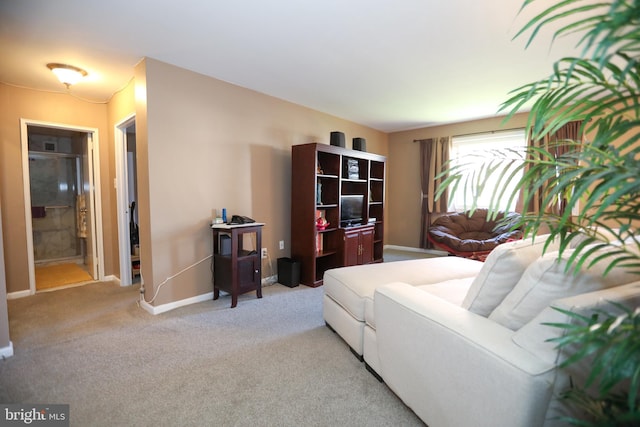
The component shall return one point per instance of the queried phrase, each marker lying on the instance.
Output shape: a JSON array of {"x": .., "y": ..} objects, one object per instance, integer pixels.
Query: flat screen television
[{"x": 351, "y": 209}]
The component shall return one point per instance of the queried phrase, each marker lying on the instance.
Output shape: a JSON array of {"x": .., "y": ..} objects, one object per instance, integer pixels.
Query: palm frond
[{"x": 598, "y": 180}]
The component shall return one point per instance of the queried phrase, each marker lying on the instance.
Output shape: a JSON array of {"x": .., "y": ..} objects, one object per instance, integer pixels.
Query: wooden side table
[{"x": 236, "y": 270}]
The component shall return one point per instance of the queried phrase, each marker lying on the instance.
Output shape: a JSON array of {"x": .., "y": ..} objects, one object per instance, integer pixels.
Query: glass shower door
[{"x": 54, "y": 188}]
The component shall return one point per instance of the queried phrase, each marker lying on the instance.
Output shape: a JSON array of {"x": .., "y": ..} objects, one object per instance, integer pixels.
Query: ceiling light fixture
[{"x": 67, "y": 74}]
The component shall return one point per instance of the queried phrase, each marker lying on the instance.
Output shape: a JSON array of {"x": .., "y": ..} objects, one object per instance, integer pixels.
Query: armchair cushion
[{"x": 463, "y": 233}]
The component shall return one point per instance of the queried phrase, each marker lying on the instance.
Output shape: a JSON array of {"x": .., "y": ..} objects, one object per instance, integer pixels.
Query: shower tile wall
[{"x": 53, "y": 187}]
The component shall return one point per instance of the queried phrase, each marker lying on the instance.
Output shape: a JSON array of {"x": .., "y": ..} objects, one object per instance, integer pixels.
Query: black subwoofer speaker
[
  {"x": 359, "y": 144},
  {"x": 337, "y": 139},
  {"x": 288, "y": 272}
]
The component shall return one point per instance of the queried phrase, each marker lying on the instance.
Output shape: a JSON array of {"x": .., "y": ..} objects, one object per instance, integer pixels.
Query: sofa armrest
[{"x": 453, "y": 367}]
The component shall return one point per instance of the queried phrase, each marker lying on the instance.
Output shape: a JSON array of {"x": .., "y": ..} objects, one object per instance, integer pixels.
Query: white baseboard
[
  {"x": 112, "y": 278},
  {"x": 193, "y": 300},
  {"x": 269, "y": 280},
  {"x": 6, "y": 351},
  {"x": 22, "y": 294},
  {"x": 19, "y": 294},
  {"x": 419, "y": 250},
  {"x": 176, "y": 304}
]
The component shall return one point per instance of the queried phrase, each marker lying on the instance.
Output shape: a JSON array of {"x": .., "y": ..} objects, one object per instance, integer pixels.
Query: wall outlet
[
  {"x": 281, "y": 244},
  {"x": 264, "y": 252}
]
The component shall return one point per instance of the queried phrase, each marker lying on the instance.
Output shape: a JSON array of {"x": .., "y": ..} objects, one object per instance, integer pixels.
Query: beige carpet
[
  {"x": 393, "y": 254},
  {"x": 54, "y": 276},
  {"x": 269, "y": 362}
]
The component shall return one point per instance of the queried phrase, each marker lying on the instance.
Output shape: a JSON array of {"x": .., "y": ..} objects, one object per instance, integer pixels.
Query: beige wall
[
  {"x": 210, "y": 145},
  {"x": 60, "y": 108},
  {"x": 202, "y": 144},
  {"x": 404, "y": 202},
  {"x": 120, "y": 107},
  {"x": 5, "y": 341}
]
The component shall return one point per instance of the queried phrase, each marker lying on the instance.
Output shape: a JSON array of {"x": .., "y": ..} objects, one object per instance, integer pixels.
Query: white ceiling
[{"x": 390, "y": 65}]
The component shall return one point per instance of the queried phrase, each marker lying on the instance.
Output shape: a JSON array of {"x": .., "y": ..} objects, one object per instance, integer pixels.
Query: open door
[
  {"x": 126, "y": 189},
  {"x": 86, "y": 210}
]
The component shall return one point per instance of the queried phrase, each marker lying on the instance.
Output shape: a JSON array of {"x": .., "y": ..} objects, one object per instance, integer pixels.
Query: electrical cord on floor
[
  {"x": 268, "y": 259},
  {"x": 142, "y": 299}
]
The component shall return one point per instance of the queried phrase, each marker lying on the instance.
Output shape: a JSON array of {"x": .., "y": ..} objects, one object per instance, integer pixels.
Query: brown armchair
[{"x": 473, "y": 236}]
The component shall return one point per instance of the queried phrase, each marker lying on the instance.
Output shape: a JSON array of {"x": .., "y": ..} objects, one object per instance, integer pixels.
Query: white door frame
[
  {"x": 122, "y": 198},
  {"x": 95, "y": 196}
]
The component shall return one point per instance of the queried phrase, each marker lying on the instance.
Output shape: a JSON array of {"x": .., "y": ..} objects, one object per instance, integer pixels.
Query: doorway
[
  {"x": 62, "y": 217},
  {"x": 127, "y": 196}
]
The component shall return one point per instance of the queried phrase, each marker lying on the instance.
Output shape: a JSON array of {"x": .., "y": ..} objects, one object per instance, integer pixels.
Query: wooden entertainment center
[{"x": 346, "y": 188}]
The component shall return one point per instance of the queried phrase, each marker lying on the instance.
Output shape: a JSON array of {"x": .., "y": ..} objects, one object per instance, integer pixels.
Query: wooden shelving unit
[{"x": 320, "y": 176}]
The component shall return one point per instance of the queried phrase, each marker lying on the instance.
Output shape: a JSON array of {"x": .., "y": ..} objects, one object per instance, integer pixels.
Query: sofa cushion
[
  {"x": 600, "y": 233},
  {"x": 535, "y": 335},
  {"x": 501, "y": 271},
  {"x": 350, "y": 286},
  {"x": 452, "y": 291},
  {"x": 546, "y": 280}
]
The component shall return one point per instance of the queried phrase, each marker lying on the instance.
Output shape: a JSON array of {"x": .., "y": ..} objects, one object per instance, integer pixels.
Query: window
[{"x": 500, "y": 147}]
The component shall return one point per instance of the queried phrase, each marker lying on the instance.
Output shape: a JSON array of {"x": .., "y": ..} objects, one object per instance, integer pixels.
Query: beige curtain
[
  {"x": 553, "y": 143},
  {"x": 434, "y": 154}
]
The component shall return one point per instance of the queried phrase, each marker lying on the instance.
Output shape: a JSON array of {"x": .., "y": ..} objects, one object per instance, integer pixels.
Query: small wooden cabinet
[
  {"x": 358, "y": 245},
  {"x": 324, "y": 180},
  {"x": 236, "y": 269}
]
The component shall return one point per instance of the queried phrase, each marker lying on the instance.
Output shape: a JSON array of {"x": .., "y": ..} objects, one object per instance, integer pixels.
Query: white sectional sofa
[
  {"x": 460, "y": 341},
  {"x": 348, "y": 292}
]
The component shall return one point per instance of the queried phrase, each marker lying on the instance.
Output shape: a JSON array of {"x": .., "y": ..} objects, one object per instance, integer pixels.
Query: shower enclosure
[{"x": 58, "y": 211}]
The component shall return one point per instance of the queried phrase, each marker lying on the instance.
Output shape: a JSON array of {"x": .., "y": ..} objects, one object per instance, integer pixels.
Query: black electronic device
[
  {"x": 359, "y": 144},
  {"x": 351, "y": 209},
  {"x": 224, "y": 244},
  {"x": 337, "y": 139},
  {"x": 239, "y": 219}
]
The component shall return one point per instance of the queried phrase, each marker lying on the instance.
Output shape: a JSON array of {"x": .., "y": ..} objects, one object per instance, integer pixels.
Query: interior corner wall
[
  {"x": 5, "y": 340},
  {"x": 18, "y": 103},
  {"x": 403, "y": 172},
  {"x": 208, "y": 145}
]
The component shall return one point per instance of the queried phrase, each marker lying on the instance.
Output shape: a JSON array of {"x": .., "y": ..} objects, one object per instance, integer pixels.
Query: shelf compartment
[
  {"x": 327, "y": 190},
  {"x": 354, "y": 168},
  {"x": 328, "y": 164},
  {"x": 377, "y": 170}
]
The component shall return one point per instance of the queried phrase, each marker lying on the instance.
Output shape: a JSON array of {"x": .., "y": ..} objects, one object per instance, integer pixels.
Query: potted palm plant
[{"x": 597, "y": 179}]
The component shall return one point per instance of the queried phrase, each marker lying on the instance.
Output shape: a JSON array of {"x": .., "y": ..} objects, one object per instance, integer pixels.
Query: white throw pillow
[
  {"x": 602, "y": 235},
  {"x": 501, "y": 271},
  {"x": 535, "y": 335},
  {"x": 546, "y": 280}
]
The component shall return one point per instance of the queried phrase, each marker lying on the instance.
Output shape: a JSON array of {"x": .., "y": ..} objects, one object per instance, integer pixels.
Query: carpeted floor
[
  {"x": 57, "y": 275},
  {"x": 393, "y": 254},
  {"x": 267, "y": 362}
]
